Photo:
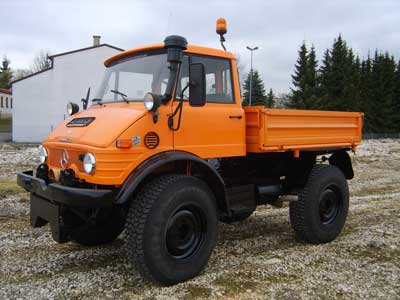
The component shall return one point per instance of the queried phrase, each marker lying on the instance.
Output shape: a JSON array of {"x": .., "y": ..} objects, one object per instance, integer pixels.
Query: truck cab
[{"x": 165, "y": 151}]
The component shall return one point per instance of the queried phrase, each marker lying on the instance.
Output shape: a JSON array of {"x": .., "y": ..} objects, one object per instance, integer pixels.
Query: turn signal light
[
  {"x": 221, "y": 26},
  {"x": 124, "y": 143}
]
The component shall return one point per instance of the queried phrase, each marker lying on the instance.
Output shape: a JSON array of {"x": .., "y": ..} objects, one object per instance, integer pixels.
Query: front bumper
[{"x": 49, "y": 202}]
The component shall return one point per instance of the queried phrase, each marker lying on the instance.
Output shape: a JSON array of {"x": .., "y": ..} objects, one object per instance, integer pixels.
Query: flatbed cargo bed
[{"x": 272, "y": 130}]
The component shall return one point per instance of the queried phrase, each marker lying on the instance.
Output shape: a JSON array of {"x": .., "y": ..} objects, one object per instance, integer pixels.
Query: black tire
[
  {"x": 108, "y": 227},
  {"x": 318, "y": 216},
  {"x": 166, "y": 207}
]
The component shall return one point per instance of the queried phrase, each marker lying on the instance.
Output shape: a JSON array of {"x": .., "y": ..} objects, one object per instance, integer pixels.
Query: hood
[{"x": 106, "y": 123}]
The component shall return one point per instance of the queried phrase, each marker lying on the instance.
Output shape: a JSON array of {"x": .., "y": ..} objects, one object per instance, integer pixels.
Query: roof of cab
[{"x": 190, "y": 49}]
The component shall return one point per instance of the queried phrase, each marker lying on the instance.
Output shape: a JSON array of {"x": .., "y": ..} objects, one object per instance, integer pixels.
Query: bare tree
[
  {"x": 241, "y": 68},
  {"x": 21, "y": 73},
  {"x": 41, "y": 61}
]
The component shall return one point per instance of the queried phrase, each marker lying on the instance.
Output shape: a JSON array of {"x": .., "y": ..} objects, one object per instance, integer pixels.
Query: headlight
[
  {"x": 89, "y": 163},
  {"x": 42, "y": 154},
  {"x": 149, "y": 101},
  {"x": 72, "y": 108}
]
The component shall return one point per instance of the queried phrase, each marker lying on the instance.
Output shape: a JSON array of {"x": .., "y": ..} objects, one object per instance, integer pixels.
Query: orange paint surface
[
  {"x": 289, "y": 130},
  {"x": 212, "y": 131}
]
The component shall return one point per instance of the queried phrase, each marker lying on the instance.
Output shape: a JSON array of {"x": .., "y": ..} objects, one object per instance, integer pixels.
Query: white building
[
  {"x": 41, "y": 98},
  {"x": 6, "y": 102}
]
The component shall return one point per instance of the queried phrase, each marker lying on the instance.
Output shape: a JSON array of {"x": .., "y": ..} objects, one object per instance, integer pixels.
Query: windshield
[{"x": 130, "y": 80}]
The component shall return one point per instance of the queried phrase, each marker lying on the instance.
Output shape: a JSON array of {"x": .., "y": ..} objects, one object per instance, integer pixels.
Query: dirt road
[{"x": 256, "y": 259}]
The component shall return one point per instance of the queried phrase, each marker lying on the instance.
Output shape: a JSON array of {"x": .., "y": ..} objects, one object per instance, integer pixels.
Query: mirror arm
[
  {"x": 178, "y": 108},
  {"x": 86, "y": 101}
]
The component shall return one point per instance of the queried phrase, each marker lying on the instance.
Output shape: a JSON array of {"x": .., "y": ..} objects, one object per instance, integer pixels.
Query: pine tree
[
  {"x": 5, "y": 73},
  {"x": 339, "y": 81},
  {"x": 304, "y": 93},
  {"x": 366, "y": 94},
  {"x": 390, "y": 99},
  {"x": 350, "y": 96},
  {"x": 396, "y": 100},
  {"x": 298, "y": 97},
  {"x": 355, "y": 84},
  {"x": 257, "y": 91},
  {"x": 270, "y": 99},
  {"x": 383, "y": 93},
  {"x": 324, "y": 80},
  {"x": 336, "y": 77},
  {"x": 312, "y": 81}
]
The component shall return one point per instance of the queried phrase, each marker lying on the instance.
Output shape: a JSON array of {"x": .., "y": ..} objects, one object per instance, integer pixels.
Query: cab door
[{"x": 216, "y": 129}]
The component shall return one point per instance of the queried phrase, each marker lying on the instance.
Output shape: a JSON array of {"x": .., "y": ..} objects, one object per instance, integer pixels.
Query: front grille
[{"x": 54, "y": 158}]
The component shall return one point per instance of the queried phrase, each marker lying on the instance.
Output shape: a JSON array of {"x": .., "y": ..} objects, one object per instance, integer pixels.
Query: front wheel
[
  {"x": 318, "y": 216},
  {"x": 172, "y": 228}
]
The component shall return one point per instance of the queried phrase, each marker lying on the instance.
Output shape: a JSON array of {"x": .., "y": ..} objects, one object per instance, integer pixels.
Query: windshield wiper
[{"x": 125, "y": 97}]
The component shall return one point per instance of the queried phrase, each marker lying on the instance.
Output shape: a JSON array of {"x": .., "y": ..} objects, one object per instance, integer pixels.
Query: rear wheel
[
  {"x": 321, "y": 210},
  {"x": 172, "y": 228}
]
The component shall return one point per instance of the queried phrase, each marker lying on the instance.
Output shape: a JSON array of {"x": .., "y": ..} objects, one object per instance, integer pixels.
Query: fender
[
  {"x": 342, "y": 160},
  {"x": 212, "y": 178}
]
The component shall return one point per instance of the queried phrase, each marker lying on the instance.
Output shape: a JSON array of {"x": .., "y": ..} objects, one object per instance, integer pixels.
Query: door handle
[{"x": 235, "y": 117}]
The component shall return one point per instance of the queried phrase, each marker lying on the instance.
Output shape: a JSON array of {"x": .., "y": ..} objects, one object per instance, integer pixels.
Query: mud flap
[{"x": 43, "y": 212}]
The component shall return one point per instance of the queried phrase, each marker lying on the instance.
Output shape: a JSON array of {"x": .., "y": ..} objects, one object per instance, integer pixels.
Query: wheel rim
[
  {"x": 185, "y": 232},
  {"x": 329, "y": 205}
]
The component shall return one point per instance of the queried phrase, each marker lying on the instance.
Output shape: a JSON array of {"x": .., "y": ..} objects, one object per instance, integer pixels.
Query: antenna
[{"x": 168, "y": 23}]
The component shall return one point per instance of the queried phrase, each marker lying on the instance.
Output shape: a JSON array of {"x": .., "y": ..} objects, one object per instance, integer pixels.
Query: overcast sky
[{"x": 276, "y": 27}]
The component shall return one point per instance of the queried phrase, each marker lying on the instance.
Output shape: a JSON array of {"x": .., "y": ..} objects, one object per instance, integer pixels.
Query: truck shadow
[{"x": 259, "y": 235}]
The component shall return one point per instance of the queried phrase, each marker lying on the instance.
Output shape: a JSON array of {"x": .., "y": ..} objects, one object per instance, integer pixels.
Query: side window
[{"x": 218, "y": 79}]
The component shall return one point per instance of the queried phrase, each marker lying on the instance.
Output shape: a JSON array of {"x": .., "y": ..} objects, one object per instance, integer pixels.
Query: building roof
[
  {"x": 84, "y": 49},
  {"x": 30, "y": 75},
  {"x": 5, "y": 91},
  {"x": 66, "y": 53}
]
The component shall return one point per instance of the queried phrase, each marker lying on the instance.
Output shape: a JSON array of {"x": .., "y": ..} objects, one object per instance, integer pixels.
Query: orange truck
[{"x": 166, "y": 151}]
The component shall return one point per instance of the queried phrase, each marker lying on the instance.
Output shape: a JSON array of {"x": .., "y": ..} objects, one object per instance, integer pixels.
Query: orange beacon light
[
  {"x": 221, "y": 30},
  {"x": 221, "y": 26}
]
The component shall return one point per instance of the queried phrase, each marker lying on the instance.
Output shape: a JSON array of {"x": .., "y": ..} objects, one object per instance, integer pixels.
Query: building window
[
  {"x": 11, "y": 103},
  {"x": 6, "y": 102},
  {"x": 2, "y": 105}
]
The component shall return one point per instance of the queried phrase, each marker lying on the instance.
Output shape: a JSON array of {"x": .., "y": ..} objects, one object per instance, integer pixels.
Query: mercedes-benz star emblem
[{"x": 64, "y": 160}]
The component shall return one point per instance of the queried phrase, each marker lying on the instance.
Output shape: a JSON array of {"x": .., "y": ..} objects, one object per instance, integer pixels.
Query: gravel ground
[{"x": 256, "y": 259}]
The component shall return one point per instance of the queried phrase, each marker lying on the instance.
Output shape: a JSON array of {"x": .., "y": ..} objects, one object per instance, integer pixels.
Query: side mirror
[{"x": 197, "y": 84}]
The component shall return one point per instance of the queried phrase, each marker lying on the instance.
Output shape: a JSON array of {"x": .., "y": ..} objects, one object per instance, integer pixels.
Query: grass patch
[
  {"x": 198, "y": 292},
  {"x": 5, "y": 124},
  {"x": 377, "y": 255},
  {"x": 13, "y": 223},
  {"x": 377, "y": 190},
  {"x": 235, "y": 283},
  {"x": 10, "y": 187}
]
